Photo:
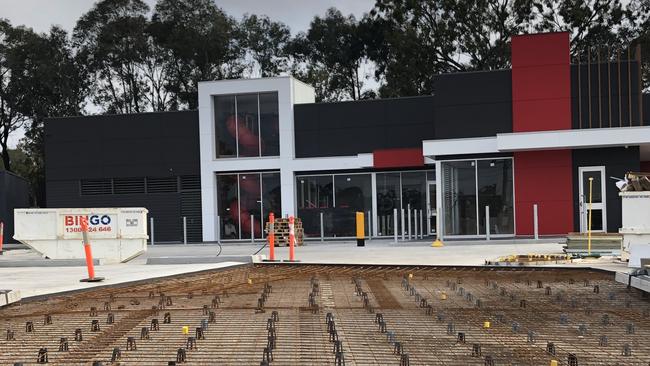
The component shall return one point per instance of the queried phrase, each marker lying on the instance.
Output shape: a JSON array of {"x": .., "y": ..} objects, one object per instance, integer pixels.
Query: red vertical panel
[
  {"x": 541, "y": 101},
  {"x": 541, "y": 82},
  {"x": 544, "y": 178}
]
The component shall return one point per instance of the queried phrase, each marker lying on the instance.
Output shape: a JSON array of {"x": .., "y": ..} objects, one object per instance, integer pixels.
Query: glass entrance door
[
  {"x": 432, "y": 212},
  {"x": 598, "y": 198}
]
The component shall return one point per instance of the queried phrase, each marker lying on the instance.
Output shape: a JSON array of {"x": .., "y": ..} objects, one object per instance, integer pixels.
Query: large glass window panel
[
  {"x": 269, "y": 124},
  {"x": 315, "y": 196},
  {"x": 459, "y": 197},
  {"x": 414, "y": 194},
  {"x": 228, "y": 206},
  {"x": 495, "y": 189},
  {"x": 225, "y": 130},
  {"x": 248, "y": 133},
  {"x": 388, "y": 199},
  {"x": 250, "y": 205},
  {"x": 272, "y": 197},
  {"x": 353, "y": 194}
]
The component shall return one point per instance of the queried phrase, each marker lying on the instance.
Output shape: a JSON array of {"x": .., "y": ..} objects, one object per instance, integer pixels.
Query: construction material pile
[
  {"x": 281, "y": 230},
  {"x": 634, "y": 182}
]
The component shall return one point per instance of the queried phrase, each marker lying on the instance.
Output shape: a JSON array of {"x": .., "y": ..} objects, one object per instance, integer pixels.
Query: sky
[{"x": 40, "y": 15}]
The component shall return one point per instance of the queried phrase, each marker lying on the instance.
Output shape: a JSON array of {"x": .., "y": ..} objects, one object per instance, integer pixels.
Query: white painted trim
[
  {"x": 568, "y": 139},
  {"x": 540, "y": 140},
  {"x": 477, "y": 145}
]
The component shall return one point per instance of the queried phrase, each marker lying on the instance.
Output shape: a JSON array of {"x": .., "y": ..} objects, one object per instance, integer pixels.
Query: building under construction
[{"x": 290, "y": 314}]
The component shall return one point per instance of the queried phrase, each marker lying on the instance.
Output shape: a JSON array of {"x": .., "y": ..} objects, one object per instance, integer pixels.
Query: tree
[
  {"x": 411, "y": 41},
  {"x": 266, "y": 42},
  {"x": 112, "y": 40},
  {"x": 51, "y": 83},
  {"x": 201, "y": 44},
  {"x": 332, "y": 53}
]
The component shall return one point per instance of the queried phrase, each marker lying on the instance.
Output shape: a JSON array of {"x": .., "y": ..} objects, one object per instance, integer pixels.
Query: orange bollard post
[
  {"x": 2, "y": 235},
  {"x": 271, "y": 237},
  {"x": 89, "y": 255},
  {"x": 292, "y": 240}
]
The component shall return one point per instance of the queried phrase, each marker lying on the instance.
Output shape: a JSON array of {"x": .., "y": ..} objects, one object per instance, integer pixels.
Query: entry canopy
[{"x": 541, "y": 140}]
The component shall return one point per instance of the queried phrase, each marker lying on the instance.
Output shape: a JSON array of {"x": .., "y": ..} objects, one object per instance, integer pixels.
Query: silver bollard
[
  {"x": 535, "y": 222},
  {"x": 487, "y": 222},
  {"x": 218, "y": 227},
  {"x": 421, "y": 224},
  {"x": 322, "y": 228},
  {"x": 403, "y": 228},
  {"x": 409, "y": 230},
  {"x": 151, "y": 230},
  {"x": 184, "y": 230},
  {"x": 252, "y": 228},
  {"x": 369, "y": 226},
  {"x": 415, "y": 224},
  {"x": 395, "y": 224}
]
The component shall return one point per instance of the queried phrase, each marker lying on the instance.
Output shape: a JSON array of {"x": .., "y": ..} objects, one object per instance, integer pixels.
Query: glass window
[
  {"x": 388, "y": 199},
  {"x": 248, "y": 135},
  {"x": 495, "y": 190},
  {"x": 224, "y": 110},
  {"x": 271, "y": 195},
  {"x": 459, "y": 197},
  {"x": 269, "y": 124},
  {"x": 228, "y": 205},
  {"x": 353, "y": 194},
  {"x": 247, "y": 125},
  {"x": 250, "y": 205},
  {"x": 315, "y": 196},
  {"x": 414, "y": 194}
]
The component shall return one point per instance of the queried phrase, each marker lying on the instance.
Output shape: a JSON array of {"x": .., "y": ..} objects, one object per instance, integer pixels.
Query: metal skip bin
[{"x": 116, "y": 234}]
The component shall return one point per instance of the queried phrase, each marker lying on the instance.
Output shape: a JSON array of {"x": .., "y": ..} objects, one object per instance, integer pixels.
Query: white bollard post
[
  {"x": 322, "y": 228},
  {"x": 184, "y": 230},
  {"x": 487, "y": 222},
  {"x": 252, "y": 228},
  {"x": 151, "y": 230},
  {"x": 218, "y": 229},
  {"x": 408, "y": 229},
  {"x": 421, "y": 225},
  {"x": 369, "y": 226},
  {"x": 403, "y": 228},
  {"x": 395, "y": 225},
  {"x": 535, "y": 222},
  {"x": 415, "y": 224}
]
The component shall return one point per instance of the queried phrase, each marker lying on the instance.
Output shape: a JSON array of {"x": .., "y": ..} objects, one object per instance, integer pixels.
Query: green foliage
[
  {"x": 267, "y": 44},
  {"x": 200, "y": 42},
  {"x": 332, "y": 52}
]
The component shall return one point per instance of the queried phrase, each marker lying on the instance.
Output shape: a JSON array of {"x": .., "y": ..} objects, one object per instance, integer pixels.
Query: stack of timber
[
  {"x": 281, "y": 229},
  {"x": 600, "y": 243}
]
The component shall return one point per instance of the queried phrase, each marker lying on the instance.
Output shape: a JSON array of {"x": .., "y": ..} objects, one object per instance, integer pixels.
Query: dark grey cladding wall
[
  {"x": 149, "y": 144},
  {"x": 350, "y": 128},
  {"x": 464, "y": 105},
  {"x": 614, "y": 101},
  {"x": 473, "y": 104},
  {"x": 14, "y": 193},
  {"x": 617, "y": 162},
  {"x": 143, "y": 145}
]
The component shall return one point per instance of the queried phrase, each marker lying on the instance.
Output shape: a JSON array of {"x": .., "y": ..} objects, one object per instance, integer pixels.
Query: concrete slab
[
  {"x": 8, "y": 296},
  {"x": 36, "y": 281},
  {"x": 200, "y": 260},
  {"x": 46, "y": 263}
]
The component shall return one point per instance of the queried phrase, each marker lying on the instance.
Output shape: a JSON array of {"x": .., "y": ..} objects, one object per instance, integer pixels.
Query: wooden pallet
[{"x": 281, "y": 231}]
